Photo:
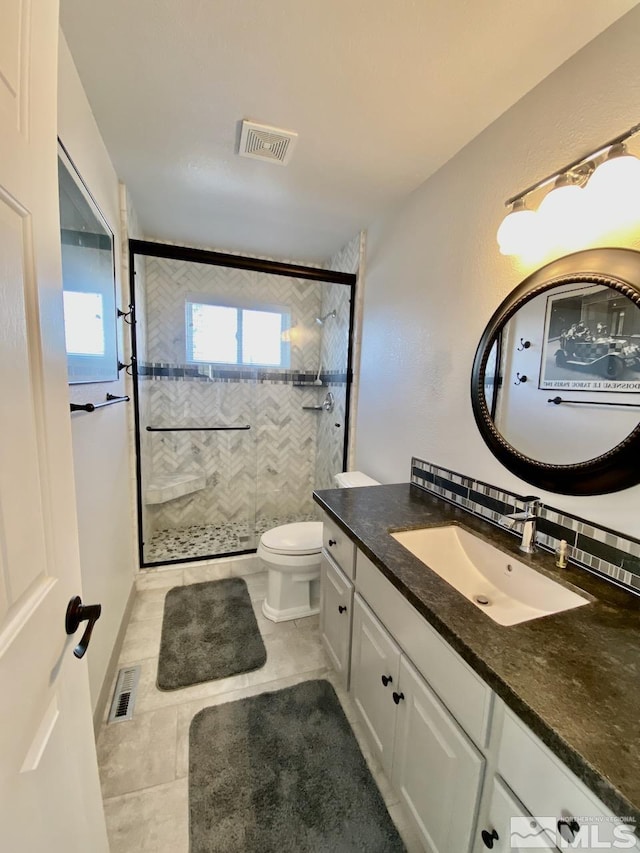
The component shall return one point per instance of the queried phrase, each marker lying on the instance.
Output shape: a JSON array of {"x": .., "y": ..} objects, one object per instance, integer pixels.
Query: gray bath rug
[
  {"x": 209, "y": 631},
  {"x": 283, "y": 773}
]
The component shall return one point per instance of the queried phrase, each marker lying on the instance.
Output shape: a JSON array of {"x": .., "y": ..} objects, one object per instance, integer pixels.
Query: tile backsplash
[{"x": 604, "y": 551}]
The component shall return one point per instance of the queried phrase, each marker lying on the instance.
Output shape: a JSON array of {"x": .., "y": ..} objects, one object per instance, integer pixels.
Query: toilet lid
[{"x": 303, "y": 537}]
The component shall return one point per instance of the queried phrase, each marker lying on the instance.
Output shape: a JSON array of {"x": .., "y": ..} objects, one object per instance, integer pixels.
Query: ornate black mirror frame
[{"x": 619, "y": 467}]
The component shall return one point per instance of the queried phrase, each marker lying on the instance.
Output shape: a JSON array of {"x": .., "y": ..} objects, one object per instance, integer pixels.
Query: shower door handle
[
  {"x": 78, "y": 612},
  {"x": 197, "y": 429}
]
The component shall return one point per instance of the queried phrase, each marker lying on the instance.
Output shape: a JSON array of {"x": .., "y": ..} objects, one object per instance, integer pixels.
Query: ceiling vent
[{"x": 263, "y": 142}]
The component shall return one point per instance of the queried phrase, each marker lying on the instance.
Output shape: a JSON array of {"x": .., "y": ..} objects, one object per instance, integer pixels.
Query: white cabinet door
[
  {"x": 437, "y": 771},
  {"x": 375, "y": 668},
  {"x": 336, "y": 600},
  {"x": 495, "y": 832}
]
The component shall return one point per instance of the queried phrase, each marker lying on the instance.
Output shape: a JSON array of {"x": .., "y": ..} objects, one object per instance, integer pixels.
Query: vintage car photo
[{"x": 591, "y": 341}]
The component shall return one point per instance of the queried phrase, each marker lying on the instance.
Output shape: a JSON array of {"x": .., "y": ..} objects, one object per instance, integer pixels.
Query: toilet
[{"x": 291, "y": 555}]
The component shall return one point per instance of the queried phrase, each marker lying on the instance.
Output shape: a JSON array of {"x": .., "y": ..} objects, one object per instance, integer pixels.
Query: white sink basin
[{"x": 499, "y": 585}]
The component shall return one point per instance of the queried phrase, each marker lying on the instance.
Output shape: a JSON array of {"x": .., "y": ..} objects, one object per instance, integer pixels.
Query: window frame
[{"x": 240, "y": 306}]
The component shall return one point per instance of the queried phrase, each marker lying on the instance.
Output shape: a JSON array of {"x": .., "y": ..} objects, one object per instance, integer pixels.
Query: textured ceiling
[{"x": 381, "y": 94}]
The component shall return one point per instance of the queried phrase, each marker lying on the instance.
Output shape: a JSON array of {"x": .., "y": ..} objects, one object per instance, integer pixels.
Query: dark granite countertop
[{"x": 572, "y": 677}]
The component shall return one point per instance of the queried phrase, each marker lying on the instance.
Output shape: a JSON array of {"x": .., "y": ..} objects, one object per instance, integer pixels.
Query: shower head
[{"x": 320, "y": 320}]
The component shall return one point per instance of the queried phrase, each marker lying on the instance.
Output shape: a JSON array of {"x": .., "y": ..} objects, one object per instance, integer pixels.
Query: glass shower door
[
  {"x": 234, "y": 367},
  {"x": 196, "y": 431}
]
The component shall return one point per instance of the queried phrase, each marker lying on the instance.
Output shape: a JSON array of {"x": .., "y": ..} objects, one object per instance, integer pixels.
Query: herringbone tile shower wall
[
  {"x": 267, "y": 470},
  {"x": 335, "y": 342}
]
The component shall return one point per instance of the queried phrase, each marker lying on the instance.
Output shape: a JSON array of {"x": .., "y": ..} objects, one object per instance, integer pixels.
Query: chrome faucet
[{"x": 527, "y": 520}]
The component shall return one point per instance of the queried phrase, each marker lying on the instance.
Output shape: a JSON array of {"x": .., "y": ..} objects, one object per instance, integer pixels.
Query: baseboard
[{"x": 105, "y": 690}]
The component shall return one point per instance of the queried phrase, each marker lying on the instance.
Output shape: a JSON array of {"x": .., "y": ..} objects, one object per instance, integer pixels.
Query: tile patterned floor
[
  {"x": 203, "y": 540},
  {"x": 144, "y": 762}
]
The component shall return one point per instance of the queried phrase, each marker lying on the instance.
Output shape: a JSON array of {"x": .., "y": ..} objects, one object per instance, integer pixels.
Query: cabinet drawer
[
  {"x": 549, "y": 789},
  {"x": 337, "y": 543},
  {"x": 336, "y": 614},
  {"x": 465, "y": 694}
]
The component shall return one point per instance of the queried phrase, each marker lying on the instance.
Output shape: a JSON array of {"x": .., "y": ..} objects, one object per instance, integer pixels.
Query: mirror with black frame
[
  {"x": 556, "y": 377},
  {"x": 88, "y": 279}
]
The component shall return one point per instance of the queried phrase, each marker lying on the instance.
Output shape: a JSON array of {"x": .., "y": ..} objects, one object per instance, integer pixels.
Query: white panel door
[
  {"x": 437, "y": 771},
  {"x": 49, "y": 790},
  {"x": 375, "y": 669},
  {"x": 336, "y": 603}
]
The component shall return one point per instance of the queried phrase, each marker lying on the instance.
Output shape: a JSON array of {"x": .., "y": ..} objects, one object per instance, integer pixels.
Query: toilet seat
[{"x": 297, "y": 539}]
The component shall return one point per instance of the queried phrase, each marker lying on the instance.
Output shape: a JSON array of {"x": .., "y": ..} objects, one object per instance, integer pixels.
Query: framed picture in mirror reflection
[{"x": 591, "y": 341}]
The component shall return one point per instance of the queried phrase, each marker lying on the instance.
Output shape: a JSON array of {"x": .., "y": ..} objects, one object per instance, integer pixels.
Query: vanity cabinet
[
  {"x": 434, "y": 767},
  {"x": 461, "y": 762},
  {"x": 336, "y": 606}
]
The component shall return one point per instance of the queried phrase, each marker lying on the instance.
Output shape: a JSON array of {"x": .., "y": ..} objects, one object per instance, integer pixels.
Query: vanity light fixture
[{"x": 588, "y": 197}]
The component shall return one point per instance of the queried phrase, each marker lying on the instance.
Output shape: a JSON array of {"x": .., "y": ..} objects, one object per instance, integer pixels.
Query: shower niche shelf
[{"x": 168, "y": 487}]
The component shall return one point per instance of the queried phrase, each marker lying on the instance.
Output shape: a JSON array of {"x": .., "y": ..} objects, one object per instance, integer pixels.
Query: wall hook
[
  {"x": 125, "y": 314},
  {"x": 521, "y": 379},
  {"x": 523, "y": 345},
  {"x": 127, "y": 367}
]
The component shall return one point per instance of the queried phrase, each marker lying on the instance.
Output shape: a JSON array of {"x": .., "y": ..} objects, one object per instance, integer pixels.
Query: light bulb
[
  {"x": 516, "y": 230},
  {"x": 562, "y": 217},
  {"x": 614, "y": 191}
]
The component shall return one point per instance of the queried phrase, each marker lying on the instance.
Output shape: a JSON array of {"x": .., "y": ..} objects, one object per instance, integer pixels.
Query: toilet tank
[{"x": 349, "y": 479}]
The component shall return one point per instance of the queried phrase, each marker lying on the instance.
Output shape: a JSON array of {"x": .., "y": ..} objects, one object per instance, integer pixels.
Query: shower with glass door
[{"x": 241, "y": 379}]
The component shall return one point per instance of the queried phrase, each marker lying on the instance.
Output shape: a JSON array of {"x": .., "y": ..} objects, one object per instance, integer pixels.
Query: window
[
  {"x": 83, "y": 323},
  {"x": 230, "y": 334}
]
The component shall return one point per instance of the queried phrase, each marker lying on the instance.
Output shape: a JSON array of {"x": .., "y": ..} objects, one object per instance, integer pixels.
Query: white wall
[
  {"x": 100, "y": 440},
  {"x": 435, "y": 275}
]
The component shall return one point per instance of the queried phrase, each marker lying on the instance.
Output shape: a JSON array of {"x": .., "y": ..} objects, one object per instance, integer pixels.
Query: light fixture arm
[{"x": 617, "y": 140}]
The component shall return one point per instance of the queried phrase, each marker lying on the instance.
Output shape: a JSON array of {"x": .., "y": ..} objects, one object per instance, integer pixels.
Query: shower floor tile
[{"x": 204, "y": 540}]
